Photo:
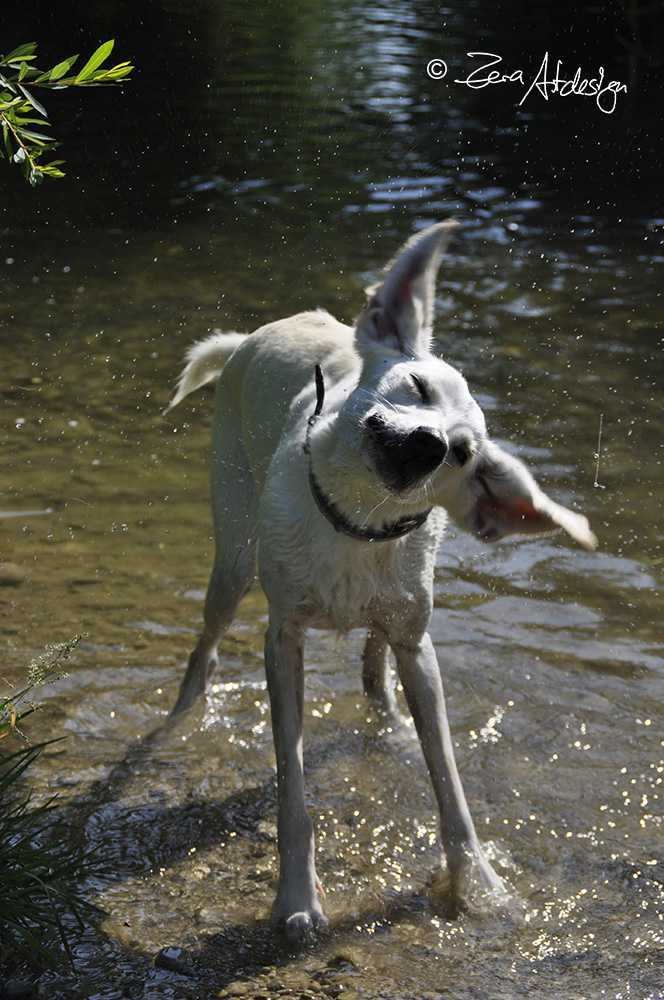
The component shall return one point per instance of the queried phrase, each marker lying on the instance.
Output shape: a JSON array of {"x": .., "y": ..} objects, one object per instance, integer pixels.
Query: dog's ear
[
  {"x": 500, "y": 498},
  {"x": 399, "y": 313}
]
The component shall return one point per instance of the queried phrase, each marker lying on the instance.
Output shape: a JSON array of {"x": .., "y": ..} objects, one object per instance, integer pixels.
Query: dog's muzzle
[
  {"x": 404, "y": 458},
  {"x": 362, "y": 532}
]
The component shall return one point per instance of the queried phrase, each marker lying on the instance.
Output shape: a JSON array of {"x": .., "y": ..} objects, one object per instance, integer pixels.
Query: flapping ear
[
  {"x": 501, "y": 498},
  {"x": 399, "y": 313}
]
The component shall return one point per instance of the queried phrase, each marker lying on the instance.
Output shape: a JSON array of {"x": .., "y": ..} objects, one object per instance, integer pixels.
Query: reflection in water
[{"x": 323, "y": 149}]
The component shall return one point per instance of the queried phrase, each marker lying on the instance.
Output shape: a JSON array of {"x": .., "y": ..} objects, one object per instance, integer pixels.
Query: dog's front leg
[
  {"x": 296, "y": 907},
  {"x": 472, "y": 877}
]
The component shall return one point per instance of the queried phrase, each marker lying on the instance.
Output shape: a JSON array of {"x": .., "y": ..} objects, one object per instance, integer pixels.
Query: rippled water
[{"x": 552, "y": 657}]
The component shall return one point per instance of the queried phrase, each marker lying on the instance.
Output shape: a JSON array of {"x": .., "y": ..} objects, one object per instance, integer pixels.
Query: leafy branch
[{"x": 20, "y": 109}]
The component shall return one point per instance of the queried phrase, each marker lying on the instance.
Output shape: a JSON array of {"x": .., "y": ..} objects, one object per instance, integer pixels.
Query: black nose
[
  {"x": 404, "y": 459},
  {"x": 423, "y": 450}
]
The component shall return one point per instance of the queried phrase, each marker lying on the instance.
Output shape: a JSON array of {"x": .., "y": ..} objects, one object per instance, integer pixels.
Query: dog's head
[{"x": 422, "y": 434}]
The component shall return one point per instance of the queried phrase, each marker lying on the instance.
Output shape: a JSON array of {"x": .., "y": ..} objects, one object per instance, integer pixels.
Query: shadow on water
[
  {"x": 99, "y": 808},
  {"x": 151, "y": 838}
]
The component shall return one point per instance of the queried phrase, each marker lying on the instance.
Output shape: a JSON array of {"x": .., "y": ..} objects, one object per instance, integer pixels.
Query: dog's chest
[{"x": 356, "y": 584}]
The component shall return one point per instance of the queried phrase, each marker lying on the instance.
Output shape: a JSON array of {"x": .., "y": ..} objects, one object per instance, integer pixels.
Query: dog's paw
[
  {"x": 299, "y": 926},
  {"x": 303, "y": 926},
  {"x": 297, "y": 912},
  {"x": 477, "y": 888}
]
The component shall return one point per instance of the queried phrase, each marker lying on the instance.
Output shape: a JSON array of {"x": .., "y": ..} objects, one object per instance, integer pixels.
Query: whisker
[
  {"x": 380, "y": 504},
  {"x": 379, "y": 397}
]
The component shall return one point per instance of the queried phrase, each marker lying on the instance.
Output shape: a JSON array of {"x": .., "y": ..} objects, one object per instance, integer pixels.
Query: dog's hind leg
[
  {"x": 376, "y": 678},
  {"x": 234, "y": 500}
]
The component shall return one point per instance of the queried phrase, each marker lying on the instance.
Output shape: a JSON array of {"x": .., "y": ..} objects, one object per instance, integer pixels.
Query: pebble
[
  {"x": 235, "y": 990},
  {"x": 175, "y": 960}
]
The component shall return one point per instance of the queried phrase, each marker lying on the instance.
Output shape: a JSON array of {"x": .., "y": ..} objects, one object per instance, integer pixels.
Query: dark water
[{"x": 265, "y": 161}]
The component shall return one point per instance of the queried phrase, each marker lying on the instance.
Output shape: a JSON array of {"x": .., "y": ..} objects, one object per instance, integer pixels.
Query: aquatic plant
[
  {"x": 35, "y": 870},
  {"x": 19, "y": 106}
]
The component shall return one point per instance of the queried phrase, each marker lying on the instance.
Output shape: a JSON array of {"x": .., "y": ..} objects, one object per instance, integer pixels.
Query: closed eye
[
  {"x": 421, "y": 388},
  {"x": 462, "y": 451}
]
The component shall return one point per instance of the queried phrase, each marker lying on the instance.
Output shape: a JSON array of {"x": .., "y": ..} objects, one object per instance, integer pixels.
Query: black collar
[{"x": 402, "y": 526}]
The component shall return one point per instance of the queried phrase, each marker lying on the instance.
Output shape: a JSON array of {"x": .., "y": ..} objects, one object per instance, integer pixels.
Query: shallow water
[{"x": 552, "y": 657}]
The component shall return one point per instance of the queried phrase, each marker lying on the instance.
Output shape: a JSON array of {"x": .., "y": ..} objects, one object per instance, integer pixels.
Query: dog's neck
[{"x": 364, "y": 533}]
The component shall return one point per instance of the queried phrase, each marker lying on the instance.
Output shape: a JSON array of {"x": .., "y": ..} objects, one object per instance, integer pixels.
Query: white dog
[{"x": 337, "y": 455}]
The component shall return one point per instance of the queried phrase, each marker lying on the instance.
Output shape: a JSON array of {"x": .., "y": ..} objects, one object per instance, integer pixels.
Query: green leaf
[
  {"x": 119, "y": 72},
  {"x": 7, "y": 83},
  {"x": 5, "y": 136},
  {"x": 22, "y": 52},
  {"x": 52, "y": 171},
  {"x": 23, "y": 70},
  {"x": 37, "y": 136},
  {"x": 95, "y": 60},
  {"x": 62, "y": 68},
  {"x": 33, "y": 101},
  {"x": 24, "y": 120}
]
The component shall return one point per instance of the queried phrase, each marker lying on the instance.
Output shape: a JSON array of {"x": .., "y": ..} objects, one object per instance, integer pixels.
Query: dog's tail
[{"x": 204, "y": 363}]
